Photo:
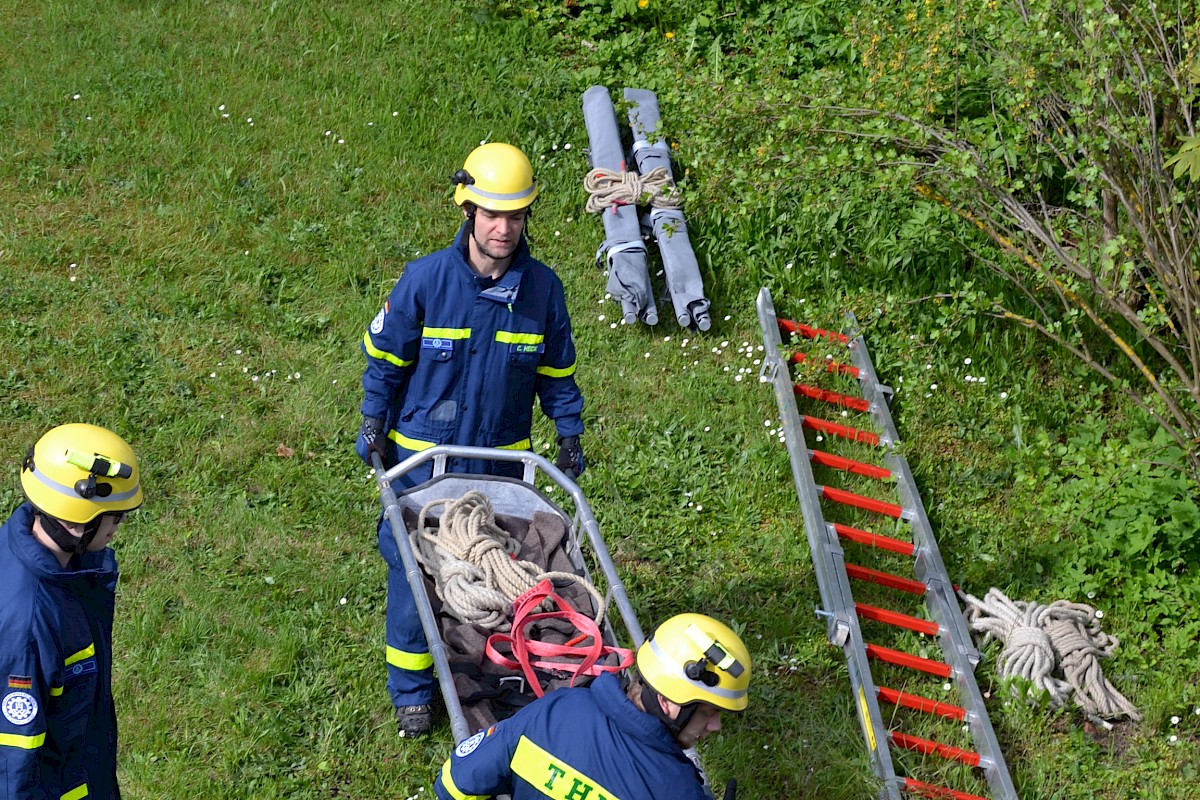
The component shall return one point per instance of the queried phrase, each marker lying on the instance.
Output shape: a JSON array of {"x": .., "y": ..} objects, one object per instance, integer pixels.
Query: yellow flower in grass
[
  {"x": 643, "y": 3},
  {"x": 670, "y": 34}
]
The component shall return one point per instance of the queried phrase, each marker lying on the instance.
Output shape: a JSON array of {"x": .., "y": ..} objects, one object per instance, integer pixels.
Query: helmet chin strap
[
  {"x": 650, "y": 703},
  {"x": 63, "y": 538}
]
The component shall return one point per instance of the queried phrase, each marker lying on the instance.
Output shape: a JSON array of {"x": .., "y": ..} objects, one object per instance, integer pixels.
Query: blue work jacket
[
  {"x": 58, "y": 726},
  {"x": 573, "y": 743},
  {"x": 455, "y": 358}
]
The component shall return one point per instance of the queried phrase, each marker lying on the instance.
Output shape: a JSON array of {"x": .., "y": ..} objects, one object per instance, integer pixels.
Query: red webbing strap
[{"x": 587, "y": 649}]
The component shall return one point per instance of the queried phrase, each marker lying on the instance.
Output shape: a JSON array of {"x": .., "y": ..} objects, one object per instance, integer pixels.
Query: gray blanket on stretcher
[{"x": 489, "y": 692}]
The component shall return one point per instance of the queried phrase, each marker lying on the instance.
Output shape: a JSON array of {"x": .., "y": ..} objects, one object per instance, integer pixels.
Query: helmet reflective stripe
[
  {"x": 474, "y": 189},
  {"x": 69, "y": 491},
  {"x": 676, "y": 671}
]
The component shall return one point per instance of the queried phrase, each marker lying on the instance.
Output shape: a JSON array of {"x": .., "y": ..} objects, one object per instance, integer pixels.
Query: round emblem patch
[
  {"x": 377, "y": 323},
  {"x": 465, "y": 747},
  {"x": 19, "y": 708}
]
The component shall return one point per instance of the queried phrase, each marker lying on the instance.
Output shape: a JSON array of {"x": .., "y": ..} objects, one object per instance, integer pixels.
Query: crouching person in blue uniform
[
  {"x": 467, "y": 339},
  {"x": 58, "y": 725},
  {"x": 608, "y": 742}
]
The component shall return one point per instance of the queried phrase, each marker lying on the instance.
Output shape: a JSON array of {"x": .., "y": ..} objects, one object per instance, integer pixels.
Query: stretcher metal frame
[{"x": 508, "y": 496}]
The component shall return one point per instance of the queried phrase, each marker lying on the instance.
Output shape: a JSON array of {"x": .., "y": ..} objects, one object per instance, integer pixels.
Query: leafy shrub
[{"x": 1130, "y": 526}]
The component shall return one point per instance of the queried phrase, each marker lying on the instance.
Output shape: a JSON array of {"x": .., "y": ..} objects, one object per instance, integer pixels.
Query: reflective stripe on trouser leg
[{"x": 405, "y": 638}]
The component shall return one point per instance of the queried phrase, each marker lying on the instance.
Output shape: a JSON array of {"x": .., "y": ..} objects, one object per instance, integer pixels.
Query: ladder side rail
[
  {"x": 960, "y": 651},
  {"x": 832, "y": 581},
  {"x": 836, "y": 598},
  {"x": 874, "y": 392},
  {"x": 930, "y": 568}
]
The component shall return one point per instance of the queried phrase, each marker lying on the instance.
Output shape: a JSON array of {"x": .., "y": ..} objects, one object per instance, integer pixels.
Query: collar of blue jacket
[
  {"x": 38, "y": 559},
  {"x": 632, "y": 720},
  {"x": 506, "y": 289}
]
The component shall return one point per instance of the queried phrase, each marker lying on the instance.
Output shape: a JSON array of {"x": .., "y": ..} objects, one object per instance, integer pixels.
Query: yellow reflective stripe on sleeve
[
  {"x": 509, "y": 337},
  {"x": 415, "y": 445},
  {"x": 557, "y": 373},
  {"x": 86, "y": 652},
  {"x": 55, "y": 691},
  {"x": 23, "y": 742},
  {"x": 455, "y": 792},
  {"x": 446, "y": 333},
  {"x": 375, "y": 352},
  {"x": 77, "y": 793},
  {"x": 410, "y": 661},
  {"x": 524, "y": 444},
  {"x": 554, "y": 777}
]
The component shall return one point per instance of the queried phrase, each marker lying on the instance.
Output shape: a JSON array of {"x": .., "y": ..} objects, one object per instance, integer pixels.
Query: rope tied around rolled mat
[
  {"x": 474, "y": 564},
  {"x": 607, "y": 188},
  {"x": 1042, "y": 641}
]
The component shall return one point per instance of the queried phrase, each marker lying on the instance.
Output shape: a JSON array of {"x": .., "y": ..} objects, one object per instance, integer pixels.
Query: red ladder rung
[
  {"x": 874, "y": 540},
  {"x": 859, "y": 501},
  {"x": 844, "y": 431},
  {"x": 930, "y": 747},
  {"x": 834, "y": 398},
  {"x": 902, "y": 659},
  {"x": 923, "y": 704},
  {"x": 809, "y": 332},
  {"x": 885, "y": 579},
  {"x": 830, "y": 365},
  {"x": 937, "y": 792},
  {"x": 906, "y": 621},
  {"x": 850, "y": 465}
]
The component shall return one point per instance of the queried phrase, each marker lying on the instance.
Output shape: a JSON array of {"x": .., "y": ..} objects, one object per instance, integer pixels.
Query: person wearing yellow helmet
[
  {"x": 609, "y": 740},
  {"x": 691, "y": 670},
  {"x": 58, "y": 577},
  {"x": 467, "y": 339}
]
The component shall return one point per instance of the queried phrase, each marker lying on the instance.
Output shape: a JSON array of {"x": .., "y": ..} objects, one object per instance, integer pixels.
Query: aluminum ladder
[{"x": 915, "y": 546}]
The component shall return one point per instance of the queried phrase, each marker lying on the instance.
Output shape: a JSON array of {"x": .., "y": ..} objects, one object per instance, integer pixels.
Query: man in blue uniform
[
  {"x": 465, "y": 341},
  {"x": 58, "y": 726},
  {"x": 605, "y": 742}
]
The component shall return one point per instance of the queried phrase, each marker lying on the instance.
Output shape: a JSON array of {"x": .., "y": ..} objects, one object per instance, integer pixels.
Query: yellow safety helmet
[
  {"x": 692, "y": 658},
  {"x": 495, "y": 176},
  {"x": 77, "y": 472}
]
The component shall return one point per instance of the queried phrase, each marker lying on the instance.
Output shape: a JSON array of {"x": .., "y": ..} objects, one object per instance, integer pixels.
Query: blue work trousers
[{"x": 409, "y": 664}]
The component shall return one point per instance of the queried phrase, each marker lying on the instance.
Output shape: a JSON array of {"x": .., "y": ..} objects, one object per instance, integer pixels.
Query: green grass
[{"x": 199, "y": 284}]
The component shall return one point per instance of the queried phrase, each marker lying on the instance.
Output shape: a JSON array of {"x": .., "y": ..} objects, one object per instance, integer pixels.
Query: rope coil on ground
[
  {"x": 474, "y": 565},
  {"x": 1038, "y": 639},
  {"x": 607, "y": 188}
]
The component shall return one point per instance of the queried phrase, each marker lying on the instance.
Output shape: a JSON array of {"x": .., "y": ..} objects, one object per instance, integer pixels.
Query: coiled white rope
[
  {"x": 1039, "y": 639},
  {"x": 607, "y": 188},
  {"x": 474, "y": 565}
]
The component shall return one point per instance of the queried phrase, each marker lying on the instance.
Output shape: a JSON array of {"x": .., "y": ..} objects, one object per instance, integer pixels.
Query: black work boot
[{"x": 414, "y": 721}]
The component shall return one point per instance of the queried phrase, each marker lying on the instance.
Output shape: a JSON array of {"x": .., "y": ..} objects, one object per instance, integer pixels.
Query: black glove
[
  {"x": 570, "y": 456},
  {"x": 371, "y": 439}
]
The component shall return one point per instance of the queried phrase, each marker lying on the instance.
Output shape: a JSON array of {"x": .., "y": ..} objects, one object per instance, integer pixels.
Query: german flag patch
[{"x": 20, "y": 682}]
